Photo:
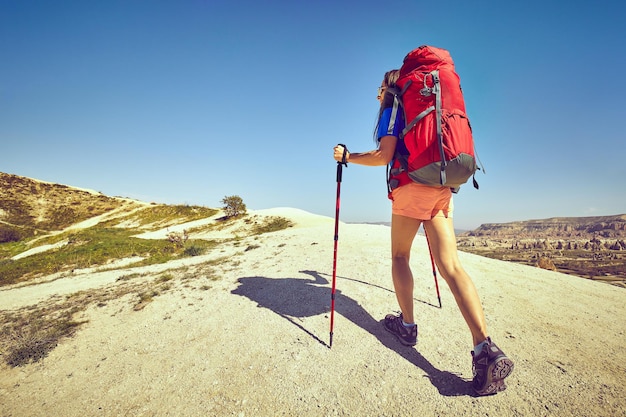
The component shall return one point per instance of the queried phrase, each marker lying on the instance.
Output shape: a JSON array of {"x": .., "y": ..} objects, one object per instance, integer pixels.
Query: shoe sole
[
  {"x": 404, "y": 342},
  {"x": 497, "y": 371}
]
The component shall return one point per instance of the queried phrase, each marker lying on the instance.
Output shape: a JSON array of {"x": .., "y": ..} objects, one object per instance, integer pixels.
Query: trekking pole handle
[{"x": 342, "y": 162}]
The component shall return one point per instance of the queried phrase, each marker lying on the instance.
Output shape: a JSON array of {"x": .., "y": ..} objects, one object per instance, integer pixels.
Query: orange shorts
[{"x": 422, "y": 202}]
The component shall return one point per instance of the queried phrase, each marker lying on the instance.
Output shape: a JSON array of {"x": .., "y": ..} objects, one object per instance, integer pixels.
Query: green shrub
[
  {"x": 233, "y": 206},
  {"x": 9, "y": 234},
  {"x": 272, "y": 224},
  {"x": 193, "y": 251}
]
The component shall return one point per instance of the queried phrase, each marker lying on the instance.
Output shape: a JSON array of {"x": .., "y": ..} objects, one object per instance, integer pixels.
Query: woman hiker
[{"x": 415, "y": 204}]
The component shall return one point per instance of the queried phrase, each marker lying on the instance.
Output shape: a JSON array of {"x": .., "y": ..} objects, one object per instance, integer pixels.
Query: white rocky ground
[{"x": 248, "y": 336}]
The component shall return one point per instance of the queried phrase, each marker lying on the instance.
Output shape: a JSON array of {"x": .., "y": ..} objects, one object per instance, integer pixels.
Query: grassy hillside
[
  {"x": 50, "y": 231},
  {"x": 51, "y": 228},
  {"x": 30, "y": 207}
]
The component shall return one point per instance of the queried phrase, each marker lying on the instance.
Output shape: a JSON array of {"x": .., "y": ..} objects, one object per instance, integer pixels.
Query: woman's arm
[{"x": 376, "y": 157}]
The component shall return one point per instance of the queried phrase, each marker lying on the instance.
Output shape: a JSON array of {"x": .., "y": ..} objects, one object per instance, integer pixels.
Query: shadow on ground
[{"x": 307, "y": 297}]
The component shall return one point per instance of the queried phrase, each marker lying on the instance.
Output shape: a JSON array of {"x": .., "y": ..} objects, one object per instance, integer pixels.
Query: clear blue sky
[{"x": 186, "y": 102}]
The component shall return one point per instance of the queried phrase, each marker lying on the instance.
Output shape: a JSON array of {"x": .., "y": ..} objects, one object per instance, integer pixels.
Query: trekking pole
[
  {"x": 332, "y": 294},
  {"x": 432, "y": 262}
]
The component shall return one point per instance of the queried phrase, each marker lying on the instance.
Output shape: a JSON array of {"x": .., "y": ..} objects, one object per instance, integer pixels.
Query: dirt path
[{"x": 249, "y": 337}]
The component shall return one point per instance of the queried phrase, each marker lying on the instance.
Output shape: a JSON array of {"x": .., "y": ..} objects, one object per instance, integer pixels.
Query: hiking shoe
[
  {"x": 490, "y": 366},
  {"x": 406, "y": 335}
]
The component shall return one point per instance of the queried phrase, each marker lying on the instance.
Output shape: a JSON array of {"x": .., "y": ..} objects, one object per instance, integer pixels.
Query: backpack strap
[
  {"x": 416, "y": 120},
  {"x": 397, "y": 106},
  {"x": 437, "y": 92}
]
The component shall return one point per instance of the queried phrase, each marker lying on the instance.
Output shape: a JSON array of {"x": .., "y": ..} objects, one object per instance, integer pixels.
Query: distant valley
[{"x": 589, "y": 247}]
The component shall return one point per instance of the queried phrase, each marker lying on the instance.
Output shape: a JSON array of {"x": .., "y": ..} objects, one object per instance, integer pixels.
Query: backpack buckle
[{"x": 428, "y": 91}]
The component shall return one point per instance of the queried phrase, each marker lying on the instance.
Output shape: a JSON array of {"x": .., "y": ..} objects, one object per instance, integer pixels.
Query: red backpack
[{"x": 438, "y": 148}]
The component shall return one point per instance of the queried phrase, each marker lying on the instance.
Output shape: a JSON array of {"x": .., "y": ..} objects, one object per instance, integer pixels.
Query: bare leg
[
  {"x": 440, "y": 232},
  {"x": 403, "y": 231}
]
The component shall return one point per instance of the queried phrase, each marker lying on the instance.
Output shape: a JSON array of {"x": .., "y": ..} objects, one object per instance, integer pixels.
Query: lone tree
[{"x": 233, "y": 206}]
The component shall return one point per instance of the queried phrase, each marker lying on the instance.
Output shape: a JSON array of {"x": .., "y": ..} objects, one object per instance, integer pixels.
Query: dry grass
[
  {"x": 35, "y": 213},
  {"x": 30, "y": 334},
  {"x": 33, "y": 341},
  {"x": 36, "y": 206}
]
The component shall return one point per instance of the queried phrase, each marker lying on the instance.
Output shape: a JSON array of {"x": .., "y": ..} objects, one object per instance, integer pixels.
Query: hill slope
[
  {"x": 243, "y": 330},
  {"x": 36, "y": 206},
  {"x": 248, "y": 336}
]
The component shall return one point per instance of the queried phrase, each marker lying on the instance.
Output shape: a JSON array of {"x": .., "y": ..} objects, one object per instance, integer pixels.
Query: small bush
[
  {"x": 233, "y": 206},
  {"x": 29, "y": 348},
  {"x": 165, "y": 278},
  {"x": 193, "y": 251},
  {"x": 546, "y": 263},
  {"x": 33, "y": 342},
  {"x": 145, "y": 298},
  {"x": 9, "y": 234},
  {"x": 272, "y": 224},
  {"x": 178, "y": 238}
]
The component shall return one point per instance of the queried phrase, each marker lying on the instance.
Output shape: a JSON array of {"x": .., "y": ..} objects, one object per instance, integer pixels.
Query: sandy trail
[{"x": 248, "y": 337}]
